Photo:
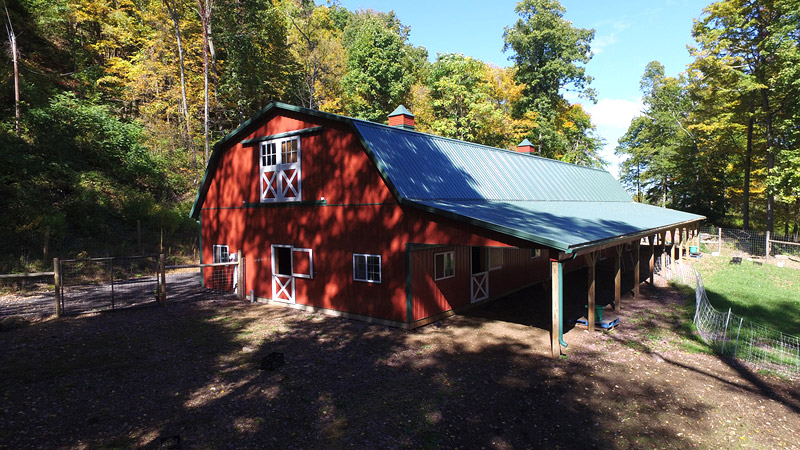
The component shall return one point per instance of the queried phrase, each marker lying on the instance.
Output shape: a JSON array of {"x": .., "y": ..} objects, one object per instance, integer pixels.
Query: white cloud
[
  {"x": 612, "y": 117},
  {"x": 601, "y": 42},
  {"x": 614, "y": 113},
  {"x": 604, "y": 38}
]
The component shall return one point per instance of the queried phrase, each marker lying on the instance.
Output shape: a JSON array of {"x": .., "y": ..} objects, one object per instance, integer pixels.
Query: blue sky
[{"x": 629, "y": 34}]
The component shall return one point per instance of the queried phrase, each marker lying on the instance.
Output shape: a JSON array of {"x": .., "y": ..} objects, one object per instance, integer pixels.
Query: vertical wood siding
[{"x": 360, "y": 216}]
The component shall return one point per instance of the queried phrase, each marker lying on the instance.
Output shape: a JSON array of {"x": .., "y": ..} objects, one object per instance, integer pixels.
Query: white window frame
[
  {"x": 502, "y": 257},
  {"x": 366, "y": 257},
  {"x": 310, "y": 274},
  {"x": 536, "y": 253},
  {"x": 217, "y": 253},
  {"x": 445, "y": 275},
  {"x": 279, "y": 169}
]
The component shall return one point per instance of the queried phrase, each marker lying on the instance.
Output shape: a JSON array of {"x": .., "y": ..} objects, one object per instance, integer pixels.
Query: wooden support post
[
  {"x": 699, "y": 238},
  {"x": 618, "y": 278},
  {"x": 591, "y": 261},
  {"x": 162, "y": 288},
  {"x": 681, "y": 241},
  {"x": 767, "y": 247},
  {"x": 652, "y": 256},
  {"x": 636, "y": 267},
  {"x": 555, "y": 345},
  {"x": 719, "y": 242},
  {"x": 240, "y": 276},
  {"x": 663, "y": 239},
  {"x": 57, "y": 283},
  {"x": 671, "y": 248}
]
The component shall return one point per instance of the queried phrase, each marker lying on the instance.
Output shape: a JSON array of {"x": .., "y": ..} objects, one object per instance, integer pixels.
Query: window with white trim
[
  {"x": 444, "y": 265},
  {"x": 536, "y": 252},
  {"x": 367, "y": 268},
  {"x": 302, "y": 263},
  {"x": 280, "y": 171},
  {"x": 221, "y": 253},
  {"x": 495, "y": 258}
]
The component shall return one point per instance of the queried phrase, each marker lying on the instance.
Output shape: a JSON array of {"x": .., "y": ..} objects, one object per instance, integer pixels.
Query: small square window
[
  {"x": 289, "y": 151},
  {"x": 268, "y": 154},
  {"x": 536, "y": 252},
  {"x": 444, "y": 265},
  {"x": 367, "y": 268},
  {"x": 221, "y": 253}
]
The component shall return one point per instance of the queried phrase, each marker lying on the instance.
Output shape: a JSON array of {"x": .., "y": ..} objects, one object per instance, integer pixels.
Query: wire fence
[
  {"x": 780, "y": 249},
  {"x": 736, "y": 337},
  {"x": 95, "y": 284}
]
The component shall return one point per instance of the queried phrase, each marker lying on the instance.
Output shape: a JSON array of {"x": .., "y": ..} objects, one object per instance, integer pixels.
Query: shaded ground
[
  {"x": 141, "y": 377},
  {"x": 39, "y": 301}
]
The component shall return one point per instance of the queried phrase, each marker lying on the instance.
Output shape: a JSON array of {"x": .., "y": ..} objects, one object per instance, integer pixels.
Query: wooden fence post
[
  {"x": 57, "y": 283},
  {"x": 767, "y": 247},
  {"x": 240, "y": 276},
  {"x": 162, "y": 288},
  {"x": 719, "y": 243}
]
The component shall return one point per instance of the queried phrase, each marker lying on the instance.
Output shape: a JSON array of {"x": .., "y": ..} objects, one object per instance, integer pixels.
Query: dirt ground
[{"x": 187, "y": 376}]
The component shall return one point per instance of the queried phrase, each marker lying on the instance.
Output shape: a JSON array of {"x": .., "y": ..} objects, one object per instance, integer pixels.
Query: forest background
[{"x": 109, "y": 108}]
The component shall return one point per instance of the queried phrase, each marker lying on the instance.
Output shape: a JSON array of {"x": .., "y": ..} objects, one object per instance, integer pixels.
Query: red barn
[{"x": 386, "y": 224}]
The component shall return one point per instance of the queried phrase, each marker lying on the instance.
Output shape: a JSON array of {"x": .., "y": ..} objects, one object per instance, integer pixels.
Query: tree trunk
[
  {"x": 747, "y": 157},
  {"x": 770, "y": 158},
  {"x": 12, "y": 41},
  {"x": 205, "y": 16},
  {"x": 173, "y": 13}
]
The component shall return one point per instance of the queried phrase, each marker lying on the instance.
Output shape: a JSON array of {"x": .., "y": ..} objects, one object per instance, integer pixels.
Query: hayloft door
[
  {"x": 282, "y": 279},
  {"x": 280, "y": 170},
  {"x": 479, "y": 276}
]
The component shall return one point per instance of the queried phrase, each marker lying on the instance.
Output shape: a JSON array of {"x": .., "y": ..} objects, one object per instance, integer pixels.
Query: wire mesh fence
[
  {"x": 95, "y": 284},
  {"x": 730, "y": 335},
  {"x": 779, "y": 249},
  {"x": 203, "y": 281},
  {"x": 680, "y": 271}
]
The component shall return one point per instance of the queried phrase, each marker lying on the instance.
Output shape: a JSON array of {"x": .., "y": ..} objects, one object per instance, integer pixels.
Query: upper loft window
[{"x": 280, "y": 179}]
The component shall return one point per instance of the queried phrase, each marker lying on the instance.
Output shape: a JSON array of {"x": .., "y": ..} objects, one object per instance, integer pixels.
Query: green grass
[{"x": 765, "y": 294}]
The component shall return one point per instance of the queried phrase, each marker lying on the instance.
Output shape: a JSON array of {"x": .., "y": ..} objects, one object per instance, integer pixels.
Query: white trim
[
  {"x": 444, "y": 265},
  {"x": 277, "y": 173},
  {"x": 479, "y": 286},
  {"x": 366, "y": 266},
  {"x": 310, "y": 274},
  {"x": 279, "y": 286},
  {"x": 214, "y": 253}
]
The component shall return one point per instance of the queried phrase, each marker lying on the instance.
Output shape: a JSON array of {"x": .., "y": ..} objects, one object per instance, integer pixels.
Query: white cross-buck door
[
  {"x": 288, "y": 264},
  {"x": 479, "y": 274},
  {"x": 281, "y": 175},
  {"x": 282, "y": 279}
]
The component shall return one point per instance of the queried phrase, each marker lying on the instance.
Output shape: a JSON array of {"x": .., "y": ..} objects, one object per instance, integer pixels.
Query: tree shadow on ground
[
  {"x": 680, "y": 324},
  {"x": 137, "y": 378}
]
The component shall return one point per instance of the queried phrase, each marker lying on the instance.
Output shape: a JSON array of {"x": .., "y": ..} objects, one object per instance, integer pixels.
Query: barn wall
[
  {"x": 360, "y": 215},
  {"x": 431, "y": 297}
]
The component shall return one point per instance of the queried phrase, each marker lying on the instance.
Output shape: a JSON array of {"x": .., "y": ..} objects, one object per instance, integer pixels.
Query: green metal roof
[{"x": 544, "y": 201}]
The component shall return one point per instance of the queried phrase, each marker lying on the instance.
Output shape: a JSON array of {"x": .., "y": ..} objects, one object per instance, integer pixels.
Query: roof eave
[{"x": 560, "y": 246}]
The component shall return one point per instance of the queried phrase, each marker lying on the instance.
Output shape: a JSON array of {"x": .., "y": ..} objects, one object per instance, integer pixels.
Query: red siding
[
  {"x": 361, "y": 216},
  {"x": 432, "y": 297}
]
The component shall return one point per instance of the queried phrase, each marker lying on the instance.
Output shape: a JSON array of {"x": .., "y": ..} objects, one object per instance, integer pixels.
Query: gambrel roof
[{"x": 547, "y": 202}]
